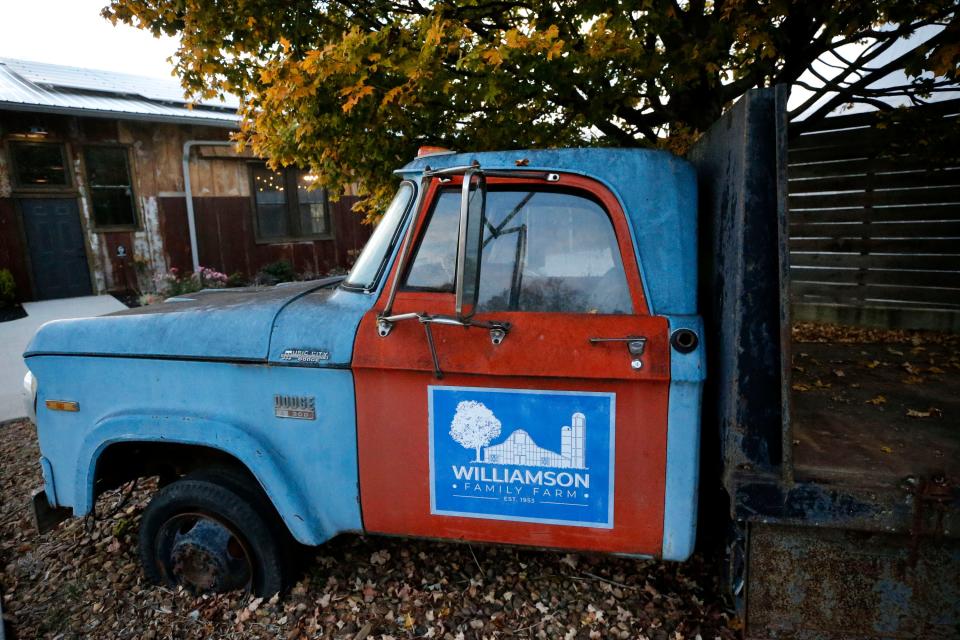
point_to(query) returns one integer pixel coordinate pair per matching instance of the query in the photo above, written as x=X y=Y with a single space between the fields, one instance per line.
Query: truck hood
x=215 y=324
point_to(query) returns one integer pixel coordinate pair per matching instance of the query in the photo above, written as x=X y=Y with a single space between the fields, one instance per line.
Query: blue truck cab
x=516 y=357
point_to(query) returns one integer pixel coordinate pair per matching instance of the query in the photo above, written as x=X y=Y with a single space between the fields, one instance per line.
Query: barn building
x=520 y=449
x=109 y=180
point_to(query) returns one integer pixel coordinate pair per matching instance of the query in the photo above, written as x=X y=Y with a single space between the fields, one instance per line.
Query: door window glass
x=542 y=251
x=434 y=266
x=550 y=251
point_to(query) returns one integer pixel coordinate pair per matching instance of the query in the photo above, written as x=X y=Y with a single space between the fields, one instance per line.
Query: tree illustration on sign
x=474 y=426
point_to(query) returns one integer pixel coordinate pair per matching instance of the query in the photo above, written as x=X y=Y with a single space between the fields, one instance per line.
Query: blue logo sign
x=522 y=455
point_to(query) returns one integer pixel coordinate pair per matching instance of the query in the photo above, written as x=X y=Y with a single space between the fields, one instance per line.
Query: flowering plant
x=172 y=283
x=211 y=278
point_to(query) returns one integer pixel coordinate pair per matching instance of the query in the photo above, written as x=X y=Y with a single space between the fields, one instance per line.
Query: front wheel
x=212 y=534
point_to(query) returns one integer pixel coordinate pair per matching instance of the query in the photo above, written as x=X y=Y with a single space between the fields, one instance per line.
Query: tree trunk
x=478 y=454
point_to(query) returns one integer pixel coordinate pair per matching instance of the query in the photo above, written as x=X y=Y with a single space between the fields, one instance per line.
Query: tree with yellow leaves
x=351 y=89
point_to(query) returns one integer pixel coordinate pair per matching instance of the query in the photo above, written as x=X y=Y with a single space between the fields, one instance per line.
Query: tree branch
x=851 y=92
x=861 y=61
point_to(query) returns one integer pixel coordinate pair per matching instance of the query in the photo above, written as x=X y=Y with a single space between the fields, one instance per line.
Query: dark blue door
x=57 y=253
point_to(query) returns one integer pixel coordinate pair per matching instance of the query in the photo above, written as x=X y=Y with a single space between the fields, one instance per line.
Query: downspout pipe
x=188 y=193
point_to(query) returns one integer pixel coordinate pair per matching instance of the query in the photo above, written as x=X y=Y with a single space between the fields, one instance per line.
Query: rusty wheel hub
x=205 y=555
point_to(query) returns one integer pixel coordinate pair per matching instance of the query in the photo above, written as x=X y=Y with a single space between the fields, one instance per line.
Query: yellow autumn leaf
x=356 y=95
x=932 y=411
x=492 y=56
x=877 y=400
x=284 y=43
x=555 y=50
x=312 y=60
x=945 y=59
x=391 y=96
x=434 y=33
x=886 y=449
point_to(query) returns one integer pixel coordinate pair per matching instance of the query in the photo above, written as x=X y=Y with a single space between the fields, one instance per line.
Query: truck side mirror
x=472 y=213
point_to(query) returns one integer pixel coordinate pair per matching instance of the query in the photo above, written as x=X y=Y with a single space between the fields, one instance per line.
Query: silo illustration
x=578 y=441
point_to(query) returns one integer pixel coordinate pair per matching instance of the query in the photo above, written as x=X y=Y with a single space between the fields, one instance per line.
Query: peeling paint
x=148 y=244
x=5 y=187
x=100 y=265
x=158 y=242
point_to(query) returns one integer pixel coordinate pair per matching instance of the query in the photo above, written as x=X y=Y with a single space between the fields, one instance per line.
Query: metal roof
x=52 y=88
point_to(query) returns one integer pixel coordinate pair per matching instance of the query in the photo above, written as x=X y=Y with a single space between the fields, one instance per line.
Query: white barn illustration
x=520 y=449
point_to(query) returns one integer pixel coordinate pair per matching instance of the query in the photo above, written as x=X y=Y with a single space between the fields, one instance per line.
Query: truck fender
x=257 y=456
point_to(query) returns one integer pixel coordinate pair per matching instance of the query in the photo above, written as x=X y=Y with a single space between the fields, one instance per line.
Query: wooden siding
x=221 y=187
x=874 y=226
x=12 y=250
x=226 y=241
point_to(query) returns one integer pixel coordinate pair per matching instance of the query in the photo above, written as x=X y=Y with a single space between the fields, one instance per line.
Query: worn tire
x=228 y=499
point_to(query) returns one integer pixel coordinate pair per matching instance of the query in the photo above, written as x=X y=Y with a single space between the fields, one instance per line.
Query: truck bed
x=870 y=408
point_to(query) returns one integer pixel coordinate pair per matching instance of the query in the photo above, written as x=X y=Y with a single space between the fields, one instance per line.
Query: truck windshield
x=369 y=265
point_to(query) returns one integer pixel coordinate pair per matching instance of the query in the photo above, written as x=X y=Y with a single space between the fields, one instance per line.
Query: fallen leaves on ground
x=83 y=580
x=846 y=334
x=931 y=412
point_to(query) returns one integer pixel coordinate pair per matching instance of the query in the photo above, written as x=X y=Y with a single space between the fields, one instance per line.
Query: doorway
x=58 y=258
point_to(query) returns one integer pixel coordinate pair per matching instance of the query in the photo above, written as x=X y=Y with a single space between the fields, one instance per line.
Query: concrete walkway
x=16 y=334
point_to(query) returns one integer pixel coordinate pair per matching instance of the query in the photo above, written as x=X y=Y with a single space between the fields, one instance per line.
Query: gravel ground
x=83 y=580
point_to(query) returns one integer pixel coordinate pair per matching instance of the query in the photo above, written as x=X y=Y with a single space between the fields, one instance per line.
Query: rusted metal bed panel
x=833 y=583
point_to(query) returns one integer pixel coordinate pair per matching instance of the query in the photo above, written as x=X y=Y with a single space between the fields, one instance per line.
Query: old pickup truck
x=516 y=357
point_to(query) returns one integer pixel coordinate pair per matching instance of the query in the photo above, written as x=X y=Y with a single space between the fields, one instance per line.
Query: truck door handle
x=635 y=344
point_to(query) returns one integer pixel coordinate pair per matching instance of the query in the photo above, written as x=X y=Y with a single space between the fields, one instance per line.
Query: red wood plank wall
x=13 y=252
x=227 y=241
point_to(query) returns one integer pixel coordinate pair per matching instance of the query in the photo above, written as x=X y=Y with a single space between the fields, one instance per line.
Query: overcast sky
x=71 y=32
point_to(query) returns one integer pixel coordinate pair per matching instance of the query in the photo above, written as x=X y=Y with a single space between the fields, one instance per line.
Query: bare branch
x=851 y=92
x=861 y=61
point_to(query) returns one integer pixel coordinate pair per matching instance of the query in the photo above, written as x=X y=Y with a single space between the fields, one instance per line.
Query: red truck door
x=556 y=436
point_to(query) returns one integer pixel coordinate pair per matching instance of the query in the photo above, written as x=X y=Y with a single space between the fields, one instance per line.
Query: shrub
x=8 y=288
x=237 y=279
x=275 y=272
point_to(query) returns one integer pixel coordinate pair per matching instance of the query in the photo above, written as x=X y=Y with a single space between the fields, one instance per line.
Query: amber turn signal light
x=427 y=150
x=63 y=405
